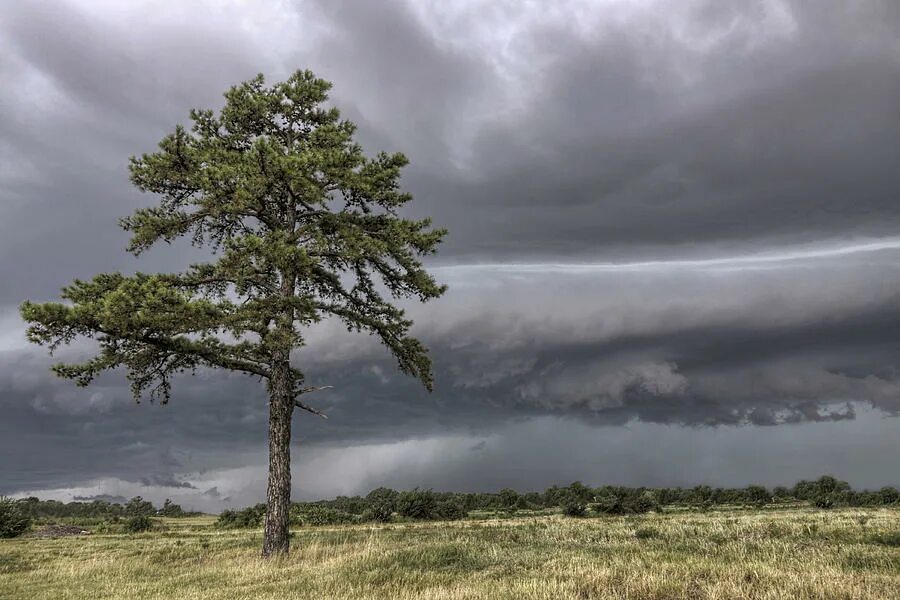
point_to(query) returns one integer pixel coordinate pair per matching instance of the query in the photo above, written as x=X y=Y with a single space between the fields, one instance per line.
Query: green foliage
x=249 y=517
x=644 y=503
x=316 y=514
x=450 y=510
x=14 y=521
x=509 y=499
x=825 y=500
x=138 y=524
x=757 y=494
x=581 y=491
x=626 y=502
x=822 y=487
x=572 y=504
x=382 y=502
x=781 y=493
x=137 y=506
x=170 y=509
x=889 y=495
x=95 y=511
x=417 y=504
x=301 y=225
x=608 y=504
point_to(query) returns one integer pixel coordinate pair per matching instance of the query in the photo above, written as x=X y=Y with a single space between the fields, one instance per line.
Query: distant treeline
x=576 y=499
x=38 y=509
x=384 y=504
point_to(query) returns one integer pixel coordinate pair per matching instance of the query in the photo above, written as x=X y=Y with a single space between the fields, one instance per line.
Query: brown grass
x=772 y=554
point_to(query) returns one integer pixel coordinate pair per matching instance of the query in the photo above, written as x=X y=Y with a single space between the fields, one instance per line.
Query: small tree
x=450 y=510
x=417 y=504
x=302 y=227
x=509 y=499
x=889 y=495
x=170 y=509
x=382 y=503
x=139 y=524
x=14 y=521
x=757 y=494
x=572 y=504
x=137 y=506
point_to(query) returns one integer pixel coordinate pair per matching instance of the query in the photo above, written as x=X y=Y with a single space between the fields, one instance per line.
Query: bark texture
x=276 y=538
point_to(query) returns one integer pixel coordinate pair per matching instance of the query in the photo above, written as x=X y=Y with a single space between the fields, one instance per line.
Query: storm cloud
x=664 y=217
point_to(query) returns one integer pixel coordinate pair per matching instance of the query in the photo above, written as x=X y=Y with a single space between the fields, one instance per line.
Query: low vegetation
x=575 y=500
x=139 y=524
x=720 y=553
x=566 y=542
x=13 y=520
x=384 y=505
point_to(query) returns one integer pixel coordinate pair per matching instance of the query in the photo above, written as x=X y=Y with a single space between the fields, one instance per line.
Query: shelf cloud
x=664 y=217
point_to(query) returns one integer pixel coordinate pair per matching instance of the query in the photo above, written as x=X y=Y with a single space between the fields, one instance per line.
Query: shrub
x=138 y=524
x=13 y=520
x=314 y=514
x=509 y=499
x=572 y=505
x=824 y=501
x=609 y=505
x=170 y=509
x=249 y=517
x=643 y=503
x=382 y=504
x=889 y=495
x=417 y=504
x=449 y=510
x=757 y=494
x=582 y=492
x=137 y=506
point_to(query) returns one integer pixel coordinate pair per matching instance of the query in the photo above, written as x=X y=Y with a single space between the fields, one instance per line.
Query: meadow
x=767 y=553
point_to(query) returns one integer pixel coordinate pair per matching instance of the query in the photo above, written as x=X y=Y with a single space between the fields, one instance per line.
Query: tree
x=170 y=509
x=509 y=498
x=137 y=506
x=301 y=226
x=417 y=504
x=382 y=502
x=572 y=504
x=14 y=521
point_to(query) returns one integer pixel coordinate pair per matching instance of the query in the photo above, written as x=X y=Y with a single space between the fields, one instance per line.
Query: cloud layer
x=674 y=215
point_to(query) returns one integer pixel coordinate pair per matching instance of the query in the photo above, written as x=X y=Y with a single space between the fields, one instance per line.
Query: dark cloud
x=167 y=481
x=101 y=498
x=680 y=214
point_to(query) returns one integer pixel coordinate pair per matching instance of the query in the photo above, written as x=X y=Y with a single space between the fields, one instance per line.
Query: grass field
x=797 y=553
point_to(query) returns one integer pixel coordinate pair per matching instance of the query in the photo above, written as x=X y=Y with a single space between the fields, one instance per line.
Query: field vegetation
x=620 y=543
x=796 y=553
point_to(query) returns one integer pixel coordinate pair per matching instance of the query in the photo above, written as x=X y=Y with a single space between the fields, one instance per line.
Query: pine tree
x=300 y=226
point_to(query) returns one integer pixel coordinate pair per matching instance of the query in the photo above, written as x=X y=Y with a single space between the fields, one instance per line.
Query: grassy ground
x=800 y=553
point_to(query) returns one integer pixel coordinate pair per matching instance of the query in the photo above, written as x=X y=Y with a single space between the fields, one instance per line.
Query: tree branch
x=308 y=408
x=315 y=388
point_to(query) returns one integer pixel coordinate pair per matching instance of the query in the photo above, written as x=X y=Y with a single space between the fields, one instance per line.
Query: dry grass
x=765 y=554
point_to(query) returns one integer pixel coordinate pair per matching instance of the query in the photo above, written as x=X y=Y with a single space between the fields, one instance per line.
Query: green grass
x=768 y=554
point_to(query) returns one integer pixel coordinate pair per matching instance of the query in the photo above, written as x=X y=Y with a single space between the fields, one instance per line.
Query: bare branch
x=314 y=388
x=308 y=408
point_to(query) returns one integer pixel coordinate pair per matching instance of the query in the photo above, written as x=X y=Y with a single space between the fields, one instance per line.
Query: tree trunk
x=278 y=495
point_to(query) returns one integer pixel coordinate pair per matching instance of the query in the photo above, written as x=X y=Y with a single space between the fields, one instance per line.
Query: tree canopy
x=302 y=225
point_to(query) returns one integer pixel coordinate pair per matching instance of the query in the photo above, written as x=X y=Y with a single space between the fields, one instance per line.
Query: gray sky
x=673 y=251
